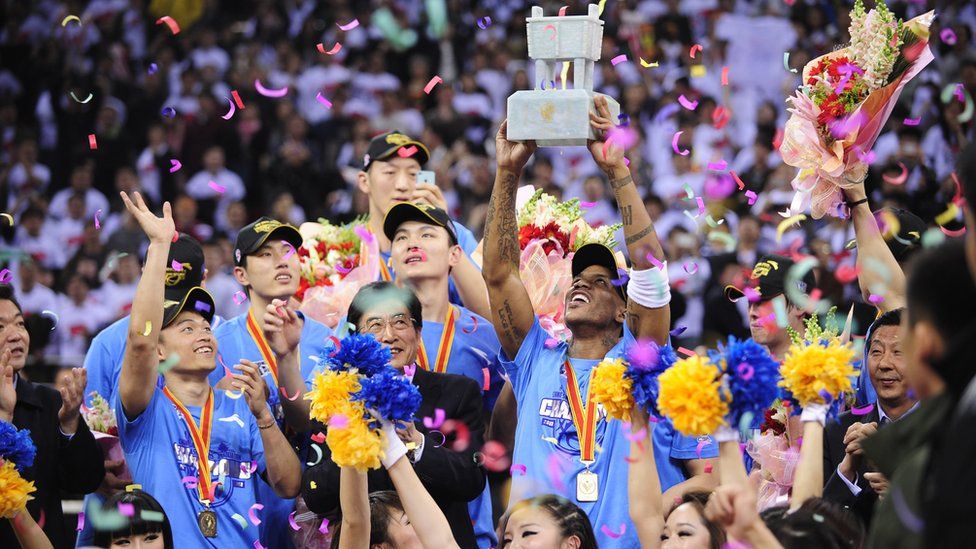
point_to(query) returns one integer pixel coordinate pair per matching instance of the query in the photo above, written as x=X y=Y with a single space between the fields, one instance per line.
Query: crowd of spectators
x=156 y=103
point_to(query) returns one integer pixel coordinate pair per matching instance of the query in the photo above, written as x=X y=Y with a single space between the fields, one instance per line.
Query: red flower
x=551 y=233
x=770 y=424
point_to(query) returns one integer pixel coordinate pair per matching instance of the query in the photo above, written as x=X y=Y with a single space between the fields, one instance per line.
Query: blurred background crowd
x=157 y=103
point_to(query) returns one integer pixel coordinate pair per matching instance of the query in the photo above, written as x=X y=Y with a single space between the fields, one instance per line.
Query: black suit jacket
x=835 y=489
x=452 y=478
x=61 y=466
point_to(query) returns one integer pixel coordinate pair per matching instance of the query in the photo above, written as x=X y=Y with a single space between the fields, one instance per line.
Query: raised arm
x=137 y=381
x=643 y=484
x=808 y=480
x=650 y=320
x=511 y=309
x=879 y=271
x=283 y=328
x=354 y=502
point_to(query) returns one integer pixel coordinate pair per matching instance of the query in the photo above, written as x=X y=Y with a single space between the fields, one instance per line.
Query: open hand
x=158 y=229
x=72 y=395
x=282 y=326
x=511 y=155
x=607 y=154
x=255 y=390
x=8 y=394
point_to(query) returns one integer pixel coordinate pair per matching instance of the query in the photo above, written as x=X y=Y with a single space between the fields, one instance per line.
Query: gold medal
x=585 y=420
x=587 y=486
x=207 y=521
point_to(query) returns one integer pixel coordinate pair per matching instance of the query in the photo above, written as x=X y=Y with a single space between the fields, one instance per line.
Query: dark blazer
x=452 y=478
x=61 y=466
x=835 y=489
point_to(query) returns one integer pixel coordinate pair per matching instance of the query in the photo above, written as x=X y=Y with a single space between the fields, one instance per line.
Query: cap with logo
x=909 y=237
x=184 y=265
x=387 y=144
x=425 y=213
x=253 y=236
x=176 y=300
x=769 y=278
x=595 y=253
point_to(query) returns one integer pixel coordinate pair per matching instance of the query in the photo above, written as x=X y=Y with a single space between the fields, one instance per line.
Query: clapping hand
x=72 y=395
x=8 y=394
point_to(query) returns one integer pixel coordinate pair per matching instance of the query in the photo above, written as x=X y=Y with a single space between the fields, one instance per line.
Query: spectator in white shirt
x=33 y=296
x=219 y=280
x=80 y=318
x=69 y=230
x=216 y=182
x=209 y=54
x=80 y=182
x=26 y=179
x=36 y=237
x=118 y=290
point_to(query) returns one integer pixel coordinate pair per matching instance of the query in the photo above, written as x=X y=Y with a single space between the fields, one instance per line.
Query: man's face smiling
x=13 y=334
x=593 y=298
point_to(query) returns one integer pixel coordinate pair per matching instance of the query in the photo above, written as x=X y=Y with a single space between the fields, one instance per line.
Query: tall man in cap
x=103 y=363
x=195 y=449
x=267 y=266
x=453 y=339
x=391 y=166
x=557 y=429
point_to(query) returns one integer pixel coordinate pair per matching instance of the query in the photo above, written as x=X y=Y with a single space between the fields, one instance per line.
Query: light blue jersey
x=546 y=441
x=161 y=455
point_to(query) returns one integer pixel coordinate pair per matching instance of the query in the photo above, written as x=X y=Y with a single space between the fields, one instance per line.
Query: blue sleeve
x=133 y=434
x=686 y=448
x=466 y=238
x=519 y=370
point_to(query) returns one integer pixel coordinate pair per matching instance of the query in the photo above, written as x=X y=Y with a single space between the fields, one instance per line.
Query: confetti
x=233 y=419
x=219 y=189
x=786 y=62
x=168 y=364
x=947 y=232
x=552 y=28
x=240 y=297
x=719 y=166
x=10 y=218
x=189 y=482
x=686 y=352
x=69 y=18
x=702 y=442
x=674 y=144
x=692 y=270
x=335 y=48
x=318 y=456
x=176 y=266
x=436 y=421
x=618 y=59
x=648 y=65
x=284 y=393
x=898 y=179
x=694 y=50
x=517 y=467
x=486 y=379
x=614 y=534
x=252 y=513
x=153 y=68
x=948 y=36
x=319 y=437
x=234 y=394
x=81 y=522
x=725 y=76
x=551 y=343
x=170 y=22
x=690 y=105
x=86 y=100
x=751 y=197
x=600 y=6
x=911 y=521
x=151 y=516
x=786 y=224
x=912 y=121
x=240 y=520
x=324 y=527
x=485 y=22
x=291 y=522
x=168 y=112
x=98 y=225
x=231 y=112
x=321 y=99
x=433 y=82
x=562 y=11
x=350 y=25
x=268 y=92
x=960 y=93
x=92 y=142
x=950 y=214
x=407 y=152
x=148 y=329
x=237 y=99
x=100 y=519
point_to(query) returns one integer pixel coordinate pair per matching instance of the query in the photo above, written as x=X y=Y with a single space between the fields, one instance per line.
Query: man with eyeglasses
x=442 y=454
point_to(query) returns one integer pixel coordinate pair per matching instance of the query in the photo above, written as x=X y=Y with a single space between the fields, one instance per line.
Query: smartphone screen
x=425 y=176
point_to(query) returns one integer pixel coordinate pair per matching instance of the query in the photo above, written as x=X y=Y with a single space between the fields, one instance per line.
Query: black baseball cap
x=387 y=144
x=425 y=213
x=768 y=279
x=595 y=253
x=253 y=236
x=909 y=237
x=176 y=300
x=187 y=256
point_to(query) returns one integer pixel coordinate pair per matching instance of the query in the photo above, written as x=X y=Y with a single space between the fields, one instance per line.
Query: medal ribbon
x=266 y=353
x=584 y=417
x=443 y=348
x=385 y=271
x=201 y=440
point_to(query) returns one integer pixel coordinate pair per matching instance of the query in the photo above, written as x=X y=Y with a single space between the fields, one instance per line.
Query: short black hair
x=7 y=294
x=137 y=524
x=381 y=290
x=817 y=524
x=966 y=170
x=887 y=318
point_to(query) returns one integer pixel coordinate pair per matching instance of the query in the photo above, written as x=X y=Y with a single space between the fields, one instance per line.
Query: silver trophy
x=559 y=117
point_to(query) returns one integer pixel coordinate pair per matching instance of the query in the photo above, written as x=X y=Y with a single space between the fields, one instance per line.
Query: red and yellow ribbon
x=266 y=353
x=584 y=416
x=200 y=435
x=444 y=348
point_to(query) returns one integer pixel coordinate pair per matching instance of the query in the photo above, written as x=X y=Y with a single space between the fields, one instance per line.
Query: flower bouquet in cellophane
x=100 y=419
x=549 y=233
x=846 y=98
x=336 y=261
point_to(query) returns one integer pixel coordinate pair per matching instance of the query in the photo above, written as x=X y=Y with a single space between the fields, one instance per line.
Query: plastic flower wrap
x=549 y=232
x=99 y=416
x=776 y=452
x=818 y=368
x=336 y=261
x=691 y=396
x=355 y=385
x=750 y=375
x=17 y=453
x=844 y=102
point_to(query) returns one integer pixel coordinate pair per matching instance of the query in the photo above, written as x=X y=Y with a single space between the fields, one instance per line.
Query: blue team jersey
x=468 y=243
x=234 y=343
x=546 y=441
x=160 y=454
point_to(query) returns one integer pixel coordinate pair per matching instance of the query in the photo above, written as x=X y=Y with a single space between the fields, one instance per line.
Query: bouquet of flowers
x=336 y=261
x=844 y=102
x=776 y=452
x=549 y=233
x=101 y=420
x=16 y=454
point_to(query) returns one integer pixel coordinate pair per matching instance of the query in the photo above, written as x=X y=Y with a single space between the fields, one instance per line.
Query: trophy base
x=554 y=118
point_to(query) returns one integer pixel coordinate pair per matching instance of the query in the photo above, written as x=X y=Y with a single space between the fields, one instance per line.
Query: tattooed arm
x=640 y=236
x=511 y=309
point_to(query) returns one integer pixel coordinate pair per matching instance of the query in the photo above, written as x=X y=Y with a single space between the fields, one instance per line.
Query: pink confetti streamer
x=350 y=25
x=240 y=297
x=686 y=352
x=618 y=59
x=474 y=325
x=674 y=144
x=960 y=93
x=738 y=181
x=335 y=49
x=269 y=92
x=875 y=298
x=409 y=370
x=562 y=11
x=433 y=82
x=486 y=379
x=751 y=197
x=6 y=276
x=550 y=343
x=126 y=509
x=97 y=224
x=321 y=99
x=436 y=421
x=725 y=76
x=745 y=371
x=291 y=522
x=230 y=112
x=324 y=527
x=257 y=544
x=719 y=166
x=912 y=121
x=692 y=270
x=92 y=142
x=701 y=205
x=189 y=482
x=320 y=437
x=284 y=393
x=947 y=232
x=948 y=36
x=237 y=99
x=863 y=410
x=81 y=522
x=552 y=28
x=175 y=165
x=690 y=105
x=407 y=152
x=174 y=27
x=217 y=188
x=694 y=50
x=251 y=513
x=614 y=534
x=898 y=179
x=517 y=467
x=702 y=442
x=176 y=265
x=654 y=261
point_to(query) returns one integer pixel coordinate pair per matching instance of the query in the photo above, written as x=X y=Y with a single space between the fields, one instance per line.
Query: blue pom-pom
x=647 y=362
x=752 y=375
x=16 y=446
x=357 y=351
x=390 y=394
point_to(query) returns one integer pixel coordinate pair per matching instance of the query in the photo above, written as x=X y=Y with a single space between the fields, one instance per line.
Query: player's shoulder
x=115 y=330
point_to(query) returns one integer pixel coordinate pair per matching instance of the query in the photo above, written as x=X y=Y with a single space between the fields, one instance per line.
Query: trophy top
x=568 y=37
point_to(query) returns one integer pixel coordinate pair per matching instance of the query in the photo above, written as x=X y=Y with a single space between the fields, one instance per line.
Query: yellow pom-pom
x=355 y=445
x=14 y=490
x=690 y=396
x=810 y=369
x=609 y=387
x=331 y=395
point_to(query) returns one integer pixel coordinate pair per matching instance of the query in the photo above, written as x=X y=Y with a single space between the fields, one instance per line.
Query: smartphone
x=425 y=176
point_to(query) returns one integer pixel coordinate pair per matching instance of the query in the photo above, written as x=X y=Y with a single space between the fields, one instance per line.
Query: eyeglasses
x=377 y=326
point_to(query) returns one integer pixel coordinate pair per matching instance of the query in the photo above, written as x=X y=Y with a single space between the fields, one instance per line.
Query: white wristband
x=650 y=288
x=814 y=412
x=725 y=434
x=395 y=448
